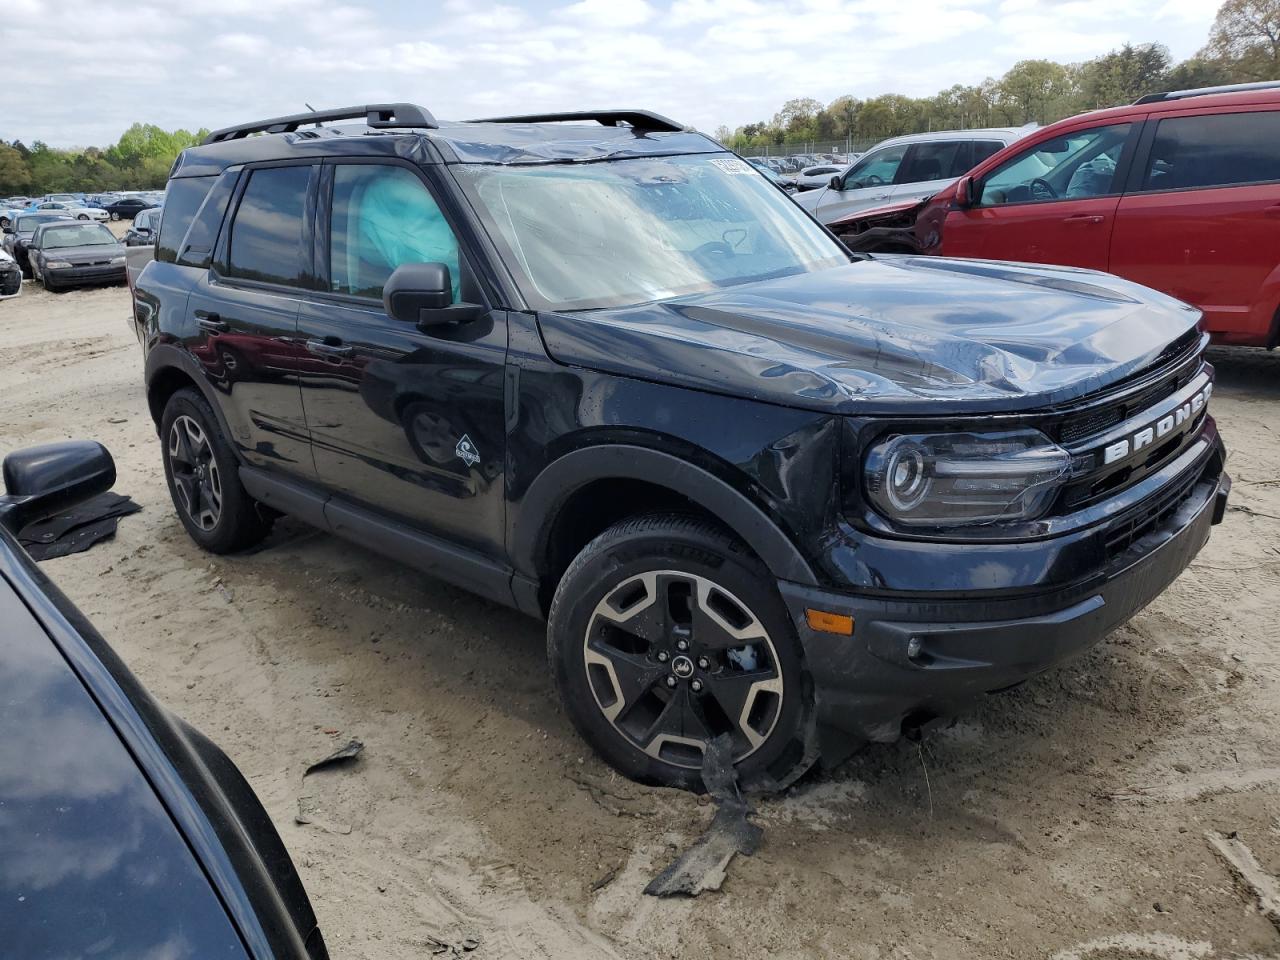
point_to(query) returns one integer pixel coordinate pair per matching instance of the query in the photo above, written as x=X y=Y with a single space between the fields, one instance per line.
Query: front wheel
x=666 y=633
x=115 y=216
x=203 y=477
x=83 y=216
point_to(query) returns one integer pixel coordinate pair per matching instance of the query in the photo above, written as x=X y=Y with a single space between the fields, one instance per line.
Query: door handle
x=211 y=322
x=329 y=348
x=1085 y=218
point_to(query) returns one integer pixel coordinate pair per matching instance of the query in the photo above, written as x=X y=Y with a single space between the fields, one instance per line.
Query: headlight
x=57 y=264
x=117 y=261
x=963 y=479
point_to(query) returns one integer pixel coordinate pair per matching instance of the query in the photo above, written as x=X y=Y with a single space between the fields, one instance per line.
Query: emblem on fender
x=1158 y=430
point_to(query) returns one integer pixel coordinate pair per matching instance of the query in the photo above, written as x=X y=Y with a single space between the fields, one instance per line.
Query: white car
x=72 y=209
x=815 y=178
x=906 y=168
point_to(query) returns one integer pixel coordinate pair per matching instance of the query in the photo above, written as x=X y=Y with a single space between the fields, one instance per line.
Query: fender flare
x=164 y=356
x=563 y=477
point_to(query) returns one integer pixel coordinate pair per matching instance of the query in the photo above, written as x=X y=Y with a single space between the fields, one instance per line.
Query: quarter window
x=382 y=217
x=266 y=235
x=1214 y=151
x=1071 y=167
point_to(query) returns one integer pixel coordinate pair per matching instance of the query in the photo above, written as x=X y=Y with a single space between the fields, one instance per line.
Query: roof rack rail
x=1208 y=91
x=640 y=119
x=379 y=115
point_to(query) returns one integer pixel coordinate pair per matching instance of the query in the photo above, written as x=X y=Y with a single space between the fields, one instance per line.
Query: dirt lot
x=1068 y=819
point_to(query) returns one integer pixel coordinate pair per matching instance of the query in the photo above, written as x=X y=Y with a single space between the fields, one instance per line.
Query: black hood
x=889 y=334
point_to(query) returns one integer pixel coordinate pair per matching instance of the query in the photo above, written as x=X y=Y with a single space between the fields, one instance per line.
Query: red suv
x=1180 y=191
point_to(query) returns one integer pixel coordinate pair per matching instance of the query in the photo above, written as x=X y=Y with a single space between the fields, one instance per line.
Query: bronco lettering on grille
x=1156 y=431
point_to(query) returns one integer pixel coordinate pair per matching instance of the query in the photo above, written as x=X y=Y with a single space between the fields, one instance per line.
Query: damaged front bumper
x=914 y=658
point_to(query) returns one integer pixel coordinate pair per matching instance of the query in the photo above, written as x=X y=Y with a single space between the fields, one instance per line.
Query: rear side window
x=934 y=161
x=182 y=198
x=266 y=234
x=982 y=149
x=197 y=249
x=1217 y=150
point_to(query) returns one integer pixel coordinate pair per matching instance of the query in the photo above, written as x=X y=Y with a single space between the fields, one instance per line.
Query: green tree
x=1037 y=90
x=1124 y=75
x=15 y=177
x=1246 y=37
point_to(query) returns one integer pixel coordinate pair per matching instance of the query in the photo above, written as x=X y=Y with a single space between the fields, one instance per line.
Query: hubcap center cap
x=682 y=667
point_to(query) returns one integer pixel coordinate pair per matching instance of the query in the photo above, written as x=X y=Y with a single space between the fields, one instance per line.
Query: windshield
x=76 y=235
x=616 y=233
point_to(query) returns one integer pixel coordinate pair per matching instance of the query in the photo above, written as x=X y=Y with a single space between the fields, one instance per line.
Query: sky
x=83 y=70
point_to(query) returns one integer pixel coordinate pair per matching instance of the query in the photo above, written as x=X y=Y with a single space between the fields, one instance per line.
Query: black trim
x=377 y=115
x=640 y=119
x=527 y=539
x=432 y=555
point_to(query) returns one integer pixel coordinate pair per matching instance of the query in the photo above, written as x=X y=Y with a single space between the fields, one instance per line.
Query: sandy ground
x=1068 y=819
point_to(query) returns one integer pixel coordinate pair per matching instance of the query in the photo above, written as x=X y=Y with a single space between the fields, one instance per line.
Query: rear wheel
x=83 y=216
x=665 y=634
x=203 y=477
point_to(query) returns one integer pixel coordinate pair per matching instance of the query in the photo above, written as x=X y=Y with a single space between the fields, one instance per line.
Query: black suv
x=603 y=372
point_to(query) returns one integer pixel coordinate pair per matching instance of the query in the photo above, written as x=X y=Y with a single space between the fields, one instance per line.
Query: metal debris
x=703 y=865
x=345 y=755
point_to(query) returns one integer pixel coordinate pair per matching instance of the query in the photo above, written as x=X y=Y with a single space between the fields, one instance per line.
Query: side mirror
x=834 y=182
x=42 y=481
x=422 y=294
x=964 y=192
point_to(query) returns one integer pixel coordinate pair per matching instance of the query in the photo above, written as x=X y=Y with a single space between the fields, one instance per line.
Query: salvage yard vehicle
x=905 y=168
x=71 y=208
x=18 y=236
x=75 y=254
x=10 y=277
x=761 y=489
x=1179 y=191
x=815 y=178
x=125 y=829
x=142 y=232
x=126 y=208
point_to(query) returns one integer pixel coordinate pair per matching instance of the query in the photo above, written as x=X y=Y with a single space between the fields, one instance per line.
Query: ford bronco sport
x=603 y=372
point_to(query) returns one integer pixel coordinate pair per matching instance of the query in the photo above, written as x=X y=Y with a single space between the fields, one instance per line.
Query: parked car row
x=80 y=206
x=1179 y=192
x=61 y=252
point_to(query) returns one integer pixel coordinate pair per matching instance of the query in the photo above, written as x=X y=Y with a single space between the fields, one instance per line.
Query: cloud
x=703 y=62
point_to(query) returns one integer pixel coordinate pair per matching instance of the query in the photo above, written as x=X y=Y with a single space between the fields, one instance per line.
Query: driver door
x=1052 y=202
x=868 y=184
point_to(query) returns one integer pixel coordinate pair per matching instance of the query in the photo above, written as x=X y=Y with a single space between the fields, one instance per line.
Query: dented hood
x=888 y=334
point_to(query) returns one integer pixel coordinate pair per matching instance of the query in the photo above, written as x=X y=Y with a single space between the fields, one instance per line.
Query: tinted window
x=383 y=217
x=982 y=149
x=1070 y=167
x=182 y=198
x=266 y=234
x=934 y=161
x=1215 y=150
x=197 y=248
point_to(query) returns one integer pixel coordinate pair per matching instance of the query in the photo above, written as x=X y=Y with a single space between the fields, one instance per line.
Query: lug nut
x=672 y=681
x=696 y=686
x=682 y=645
x=663 y=656
x=703 y=663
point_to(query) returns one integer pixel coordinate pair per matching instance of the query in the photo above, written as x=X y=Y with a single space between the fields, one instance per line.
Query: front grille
x=1152 y=515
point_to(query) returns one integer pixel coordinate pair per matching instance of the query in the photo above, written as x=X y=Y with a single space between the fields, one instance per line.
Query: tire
x=203 y=477
x=115 y=216
x=648 y=705
x=4 y=222
x=83 y=216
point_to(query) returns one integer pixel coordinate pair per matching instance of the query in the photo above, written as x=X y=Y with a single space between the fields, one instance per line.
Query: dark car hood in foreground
x=889 y=334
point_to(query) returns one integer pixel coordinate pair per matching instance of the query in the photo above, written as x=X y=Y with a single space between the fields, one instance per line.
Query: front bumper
x=914 y=659
x=71 y=276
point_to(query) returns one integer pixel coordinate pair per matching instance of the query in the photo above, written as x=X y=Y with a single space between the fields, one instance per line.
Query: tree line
x=139 y=160
x=1243 y=46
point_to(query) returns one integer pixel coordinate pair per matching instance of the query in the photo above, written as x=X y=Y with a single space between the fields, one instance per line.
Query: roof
x=1006 y=134
x=1244 y=95
x=545 y=138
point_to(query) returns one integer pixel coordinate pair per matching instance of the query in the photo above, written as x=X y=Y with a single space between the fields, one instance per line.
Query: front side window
x=621 y=232
x=1218 y=150
x=1071 y=167
x=76 y=235
x=382 y=217
x=876 y=168
x=266 y=234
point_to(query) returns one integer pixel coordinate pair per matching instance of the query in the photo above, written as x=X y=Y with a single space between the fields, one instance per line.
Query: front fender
x=564 y=476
